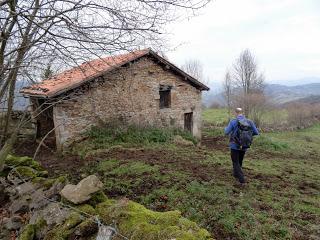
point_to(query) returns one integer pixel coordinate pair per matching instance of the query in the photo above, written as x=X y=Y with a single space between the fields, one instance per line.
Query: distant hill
x=300 y=81
x=282 y=94
x=278 y=94
x=313 y=99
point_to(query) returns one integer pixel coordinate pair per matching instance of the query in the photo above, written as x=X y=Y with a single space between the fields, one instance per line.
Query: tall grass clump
x=135 y=135
x=270 y=144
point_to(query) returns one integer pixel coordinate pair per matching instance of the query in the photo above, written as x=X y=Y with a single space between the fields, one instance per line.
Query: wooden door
x=188 y=121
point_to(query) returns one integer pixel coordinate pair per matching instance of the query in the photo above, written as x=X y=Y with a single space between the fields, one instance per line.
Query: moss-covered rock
x=66 y=229
x=49 y=182
x=18 y=161
x=26 y=172
x=15 y=161
x=137 y=222
x=86 y=208
x=27 y=233
x=40 y=228
x=45 y=182
x=43 y=174
x=85 y=229
x=97 y=198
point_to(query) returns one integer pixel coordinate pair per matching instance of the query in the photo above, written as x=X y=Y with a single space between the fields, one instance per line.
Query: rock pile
x=35 y=207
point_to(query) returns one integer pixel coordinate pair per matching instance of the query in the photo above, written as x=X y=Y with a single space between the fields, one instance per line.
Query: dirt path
x=215 y=143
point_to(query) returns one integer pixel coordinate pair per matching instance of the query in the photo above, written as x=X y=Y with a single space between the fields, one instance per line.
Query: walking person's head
x=238 y=111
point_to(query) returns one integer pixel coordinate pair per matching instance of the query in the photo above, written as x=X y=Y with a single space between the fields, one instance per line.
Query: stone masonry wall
x=129 y=95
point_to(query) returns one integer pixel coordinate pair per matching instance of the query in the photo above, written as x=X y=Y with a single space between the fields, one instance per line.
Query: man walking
x=241 y=131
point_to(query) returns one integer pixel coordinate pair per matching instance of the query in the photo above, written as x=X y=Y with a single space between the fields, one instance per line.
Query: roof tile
x=78 y=75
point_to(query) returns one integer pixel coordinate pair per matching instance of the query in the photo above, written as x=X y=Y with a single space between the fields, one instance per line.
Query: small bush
x=135 y=135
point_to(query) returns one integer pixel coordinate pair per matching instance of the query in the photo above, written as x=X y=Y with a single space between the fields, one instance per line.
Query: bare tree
x=247 y=79
x=227 y=91
x=258 y=106
x=194 y=68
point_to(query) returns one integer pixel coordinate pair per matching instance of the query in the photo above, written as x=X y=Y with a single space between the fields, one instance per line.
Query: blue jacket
x=232 y=129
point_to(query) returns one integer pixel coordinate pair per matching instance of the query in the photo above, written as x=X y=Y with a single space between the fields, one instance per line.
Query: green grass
x=270 y=143
x=135 y=135
x=220 y=117
x=215 y=116
x=280 y=201
x=132 y=136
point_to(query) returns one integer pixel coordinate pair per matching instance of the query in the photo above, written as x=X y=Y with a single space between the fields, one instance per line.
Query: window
x=165 y=96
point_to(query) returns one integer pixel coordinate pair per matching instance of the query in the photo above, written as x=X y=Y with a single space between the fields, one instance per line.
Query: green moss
x=23 y=161
x=18 y=161
x=49 y=182
x=63 y=231
x=43 y=174
x=26 y=172
x=97 y=198
x=27 y=233
x=137 y=222
x=87 y=209
x=62 y=179
x=40 y=225
x=86 y=228
x=73 y=220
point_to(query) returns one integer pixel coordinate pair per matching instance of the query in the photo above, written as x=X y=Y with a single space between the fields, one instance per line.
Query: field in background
x=219 y=116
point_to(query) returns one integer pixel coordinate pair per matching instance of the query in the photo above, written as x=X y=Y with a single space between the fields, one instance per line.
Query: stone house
x=139 y=88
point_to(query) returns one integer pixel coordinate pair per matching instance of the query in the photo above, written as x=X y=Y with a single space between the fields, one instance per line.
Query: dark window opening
x=188 y=121
x=165 y=96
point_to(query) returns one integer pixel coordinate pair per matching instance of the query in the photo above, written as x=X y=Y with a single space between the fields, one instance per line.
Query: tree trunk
x=10 y=109
x=7 y=148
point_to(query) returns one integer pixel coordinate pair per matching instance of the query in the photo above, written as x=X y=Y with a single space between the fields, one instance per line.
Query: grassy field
x=217 y=116
x=280 y=201
x=220 y=116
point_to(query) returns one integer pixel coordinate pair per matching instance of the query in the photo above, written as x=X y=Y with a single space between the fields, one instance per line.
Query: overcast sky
x=284 y=35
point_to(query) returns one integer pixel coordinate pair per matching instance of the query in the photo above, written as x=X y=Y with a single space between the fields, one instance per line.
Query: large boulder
x=83 y=191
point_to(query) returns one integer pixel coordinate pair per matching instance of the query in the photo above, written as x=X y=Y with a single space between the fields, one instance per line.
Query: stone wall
x=129 y=95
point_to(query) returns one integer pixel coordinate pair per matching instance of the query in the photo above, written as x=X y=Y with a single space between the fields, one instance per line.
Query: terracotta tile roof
x=87 y=71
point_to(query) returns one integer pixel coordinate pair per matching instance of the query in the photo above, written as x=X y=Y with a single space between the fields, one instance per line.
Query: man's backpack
x=244 y=135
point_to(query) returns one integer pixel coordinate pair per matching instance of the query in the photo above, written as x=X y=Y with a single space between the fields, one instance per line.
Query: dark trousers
x=237 y=160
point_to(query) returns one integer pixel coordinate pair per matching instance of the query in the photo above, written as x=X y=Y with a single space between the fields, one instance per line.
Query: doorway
x=188 y=122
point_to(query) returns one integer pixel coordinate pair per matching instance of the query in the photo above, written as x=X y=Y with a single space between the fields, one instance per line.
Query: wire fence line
x=105 y=232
